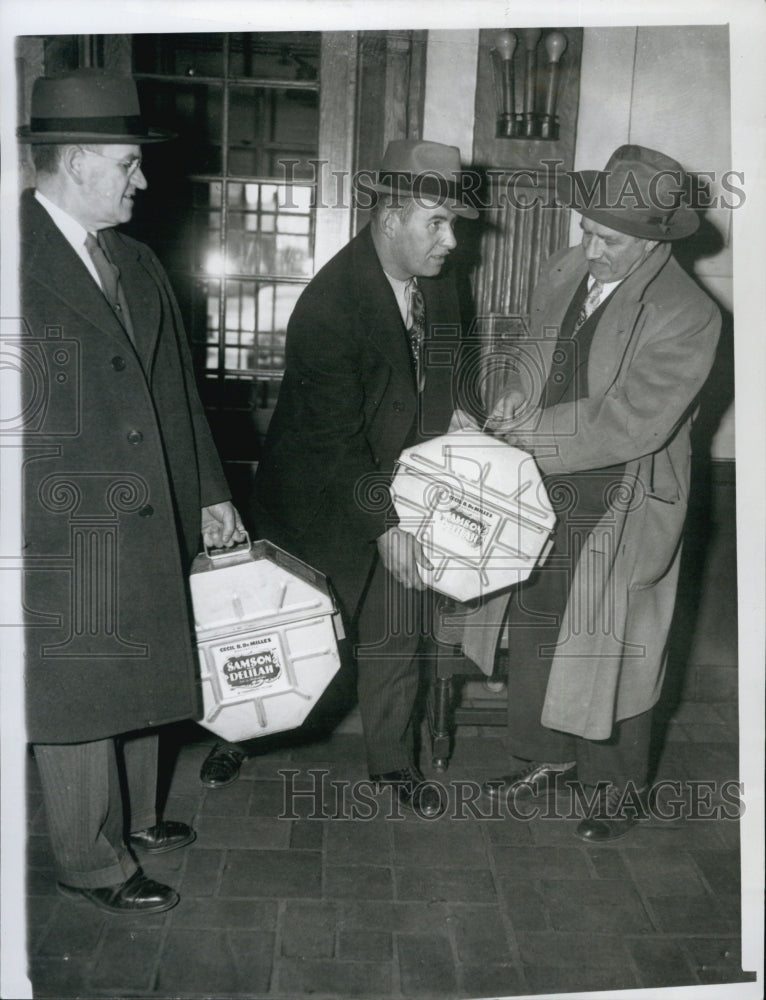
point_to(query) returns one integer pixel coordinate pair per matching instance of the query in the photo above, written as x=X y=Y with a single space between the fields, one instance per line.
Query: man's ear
x=388 y=219
x=72 y=158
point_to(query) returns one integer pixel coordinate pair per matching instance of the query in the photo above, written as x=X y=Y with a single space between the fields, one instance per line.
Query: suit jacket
x=118 y=460
x=651 y=352
x=347 y=407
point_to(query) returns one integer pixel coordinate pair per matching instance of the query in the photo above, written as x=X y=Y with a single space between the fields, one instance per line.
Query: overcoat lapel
x=142 y=294
x=380 y=311
x=53 y=262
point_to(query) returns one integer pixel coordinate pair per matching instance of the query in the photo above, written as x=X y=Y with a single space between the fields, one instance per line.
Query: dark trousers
x=83 y=795
x=390 y=625
x=534 y=619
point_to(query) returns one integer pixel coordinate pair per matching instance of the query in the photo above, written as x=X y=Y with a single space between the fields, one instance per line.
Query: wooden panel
x=490 y=151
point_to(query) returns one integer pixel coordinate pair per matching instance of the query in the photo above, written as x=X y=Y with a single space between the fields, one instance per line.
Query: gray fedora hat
x=431 y=171
x=640 y=192
x=88 y=105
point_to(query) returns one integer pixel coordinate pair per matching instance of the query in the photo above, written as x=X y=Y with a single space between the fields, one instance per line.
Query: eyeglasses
x=130 y=166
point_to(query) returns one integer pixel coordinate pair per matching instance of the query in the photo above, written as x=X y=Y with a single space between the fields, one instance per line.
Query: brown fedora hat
x=640 y=192
x=88 y=105
x=416 y=168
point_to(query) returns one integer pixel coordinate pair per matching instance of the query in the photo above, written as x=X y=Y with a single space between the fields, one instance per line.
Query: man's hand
x=507 y=411
x=401 y=552
x=221 y=525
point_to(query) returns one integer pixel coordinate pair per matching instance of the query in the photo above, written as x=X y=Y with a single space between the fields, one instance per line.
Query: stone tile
x=40 y=910
x=364 y=946
x=267 y=798
x=358 y=882
x=716 y=959
x=308 y=930
x=490 y=980
x=426 y=965
x=599 y=906
x=58 y=977
x=408 y=918
x=307 y=834
x=690 y=915
x=582 y=977
x=682 y=835
x=567 y=951
x=242 y=831
x=660 y=962
x=197 y=963
x=234 y=800
x=310 y=794
x=127 y=960
x=344 y=747
x=466 y=885
x=205 y=912
x=507 y=831
x=720 y=869
x=479 y=933
x=253 y=956
x=75 y=932
x=554 y=833
x=41 y=882
x=455 y=845
x=357 y=843
x=281 y=874
x=201 y=873
x=541 y=862
x=607 y=864
x=524 y=903
x=336 y=979
x=698 y=712
x=664 y=872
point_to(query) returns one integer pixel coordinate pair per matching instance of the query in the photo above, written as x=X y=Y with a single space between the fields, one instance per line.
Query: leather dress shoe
x=412 y=791
x=221 y=766
x=138 y=895
x=165 y=836
x=617 y=813
x=533 y=780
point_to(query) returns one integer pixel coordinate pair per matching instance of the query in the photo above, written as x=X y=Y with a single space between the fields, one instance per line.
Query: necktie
x=417 y=327
x=591 y=302
x=107 y=272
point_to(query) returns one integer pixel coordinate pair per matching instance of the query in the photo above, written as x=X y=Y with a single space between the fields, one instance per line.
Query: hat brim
x=458 y=207
x=25 y=134
x=683 y=222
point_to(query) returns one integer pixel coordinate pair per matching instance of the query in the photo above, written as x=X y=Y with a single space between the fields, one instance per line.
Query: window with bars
x=236 y=195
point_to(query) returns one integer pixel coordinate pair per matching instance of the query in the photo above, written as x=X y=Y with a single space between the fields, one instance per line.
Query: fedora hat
x=416 y=168
x=640 y=192
x=88 y=105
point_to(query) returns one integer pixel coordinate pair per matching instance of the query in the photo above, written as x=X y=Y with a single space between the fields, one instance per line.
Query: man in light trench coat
x=121 y=478
x=603 y=395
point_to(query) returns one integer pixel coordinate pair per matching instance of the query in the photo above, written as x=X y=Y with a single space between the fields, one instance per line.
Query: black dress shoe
x=138 y=895
x=165 y=836
x=413 y=791
x=221 y=766
x=617 y=812
x=533 y=780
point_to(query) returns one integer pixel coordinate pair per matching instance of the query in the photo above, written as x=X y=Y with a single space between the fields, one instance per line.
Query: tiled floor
x=285 y=896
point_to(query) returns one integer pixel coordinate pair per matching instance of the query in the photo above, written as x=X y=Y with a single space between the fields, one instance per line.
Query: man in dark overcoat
x=121 y=478
x=370 y=357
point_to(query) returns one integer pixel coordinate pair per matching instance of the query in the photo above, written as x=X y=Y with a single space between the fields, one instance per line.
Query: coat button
x=135 y=437
x=398 y=405
x=118 y=363
x=146 y=511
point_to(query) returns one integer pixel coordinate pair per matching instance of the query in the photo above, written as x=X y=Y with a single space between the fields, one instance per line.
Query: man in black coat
x=370 y=359
x=121 y=477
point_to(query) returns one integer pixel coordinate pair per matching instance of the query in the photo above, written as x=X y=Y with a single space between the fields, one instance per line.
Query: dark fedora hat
x=416 y=168
x=88 y=105
x=640 y=192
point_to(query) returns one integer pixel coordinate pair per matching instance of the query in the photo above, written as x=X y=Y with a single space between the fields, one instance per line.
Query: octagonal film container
x=479 y=508
x=267 y=636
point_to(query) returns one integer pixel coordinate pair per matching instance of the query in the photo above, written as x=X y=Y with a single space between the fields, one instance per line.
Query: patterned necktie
x=591 y=302
x=417 y=327
x=107 y=272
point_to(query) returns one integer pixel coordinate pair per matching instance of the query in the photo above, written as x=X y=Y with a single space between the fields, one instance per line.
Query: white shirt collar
x=70 y=227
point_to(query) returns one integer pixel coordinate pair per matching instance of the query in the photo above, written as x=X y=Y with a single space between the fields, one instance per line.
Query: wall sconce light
x=533 y=121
